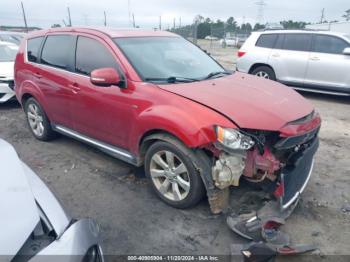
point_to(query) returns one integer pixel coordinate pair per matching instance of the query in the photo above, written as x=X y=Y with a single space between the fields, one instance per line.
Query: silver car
x=8 y=52
x=33 y=222
x=316 y=61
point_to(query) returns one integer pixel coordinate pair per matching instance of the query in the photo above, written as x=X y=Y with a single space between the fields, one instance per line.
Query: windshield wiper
x=212 y=74
x=172 y=79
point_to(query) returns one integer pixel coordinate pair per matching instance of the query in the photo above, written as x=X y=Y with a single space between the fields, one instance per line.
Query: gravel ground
x=134 y=221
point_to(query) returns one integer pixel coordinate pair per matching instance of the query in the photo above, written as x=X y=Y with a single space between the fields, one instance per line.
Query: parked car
x=316 y=61
x=210 y=37
x=228 y=41
x=8 y=53
x=152 y=98
x=34 y=223
x=12 y=37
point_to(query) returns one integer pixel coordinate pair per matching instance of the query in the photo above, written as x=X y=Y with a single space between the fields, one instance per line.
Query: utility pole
x=133 y=20
x=180 y=22
x=105 y=22
x=24 y=17
x=322 y=16
x=64 y=22
x=129 y=12
x=174 y=23
x=69 y=18
x=260 y=16
x=160 y=22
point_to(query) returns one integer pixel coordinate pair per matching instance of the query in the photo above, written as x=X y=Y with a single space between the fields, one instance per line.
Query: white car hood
x=6 y=70
x=19 y=213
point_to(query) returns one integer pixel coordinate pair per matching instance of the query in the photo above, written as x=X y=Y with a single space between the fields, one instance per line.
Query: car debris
x=262 y=228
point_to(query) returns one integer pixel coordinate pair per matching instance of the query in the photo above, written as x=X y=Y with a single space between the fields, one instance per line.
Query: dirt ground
x=134 y=221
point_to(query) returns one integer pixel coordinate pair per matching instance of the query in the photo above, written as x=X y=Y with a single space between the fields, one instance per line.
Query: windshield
x=166 y=57
x=8 y=53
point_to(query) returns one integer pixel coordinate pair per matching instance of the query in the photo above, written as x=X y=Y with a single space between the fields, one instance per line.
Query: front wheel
x=264 y=72
x=173 y=175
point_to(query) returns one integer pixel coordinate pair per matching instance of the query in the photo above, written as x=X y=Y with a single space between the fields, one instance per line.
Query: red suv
x=152 y=98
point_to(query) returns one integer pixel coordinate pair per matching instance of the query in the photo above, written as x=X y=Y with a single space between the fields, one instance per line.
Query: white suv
x=316 y=61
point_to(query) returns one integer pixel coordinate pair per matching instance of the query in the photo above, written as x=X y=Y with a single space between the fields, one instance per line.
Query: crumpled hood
x=6 y=70
x=19 y=213
x=249 y=101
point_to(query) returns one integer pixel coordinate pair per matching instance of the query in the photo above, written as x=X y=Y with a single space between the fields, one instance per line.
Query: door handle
x=276 y=55
x=314 y=58
x=38 y=75
x=75 y=88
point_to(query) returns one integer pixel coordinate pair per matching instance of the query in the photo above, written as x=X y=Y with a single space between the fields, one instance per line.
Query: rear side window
x=329 y=44
x=33 y=46
x=58 y=51
x=91 y=55
x=297 y=42
x=267 y=40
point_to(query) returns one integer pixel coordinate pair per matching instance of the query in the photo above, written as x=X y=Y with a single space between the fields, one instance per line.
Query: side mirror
x=105 y=77
x=346 y=51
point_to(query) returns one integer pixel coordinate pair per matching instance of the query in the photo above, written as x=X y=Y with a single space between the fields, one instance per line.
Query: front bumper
x=6 y=92
x=296 y=179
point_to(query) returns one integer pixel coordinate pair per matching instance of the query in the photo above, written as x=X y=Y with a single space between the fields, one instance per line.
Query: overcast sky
x=45 y=13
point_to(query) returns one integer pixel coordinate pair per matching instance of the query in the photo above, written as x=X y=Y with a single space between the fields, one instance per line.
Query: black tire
x=196 y=189
x=265 y=70
x=47 y=133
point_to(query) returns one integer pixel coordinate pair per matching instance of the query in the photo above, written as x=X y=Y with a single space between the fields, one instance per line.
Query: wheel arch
x=154 y=135
x=256 y=65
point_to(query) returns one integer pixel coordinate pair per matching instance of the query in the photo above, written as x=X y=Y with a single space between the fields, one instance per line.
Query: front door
x=102 y=113
x=328 y=67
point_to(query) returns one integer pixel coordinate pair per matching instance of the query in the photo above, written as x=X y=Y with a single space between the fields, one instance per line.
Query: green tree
x=231 y=24
x=347 y=15
x=290 y=24
x=258 y=26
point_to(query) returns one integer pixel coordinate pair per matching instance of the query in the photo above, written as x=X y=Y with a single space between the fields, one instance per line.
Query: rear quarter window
x=33 y=47
x=266 y=40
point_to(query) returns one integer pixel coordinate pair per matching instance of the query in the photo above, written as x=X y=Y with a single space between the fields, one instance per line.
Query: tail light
x=241 y=53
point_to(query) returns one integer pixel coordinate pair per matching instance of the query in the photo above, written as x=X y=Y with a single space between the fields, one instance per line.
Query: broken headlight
x=233 y=139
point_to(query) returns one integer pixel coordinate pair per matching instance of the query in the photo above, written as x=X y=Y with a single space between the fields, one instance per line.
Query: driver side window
x=91 y=55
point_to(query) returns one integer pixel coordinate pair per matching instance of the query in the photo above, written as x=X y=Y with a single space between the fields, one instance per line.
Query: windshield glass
x=164 y=57
x=8 y=53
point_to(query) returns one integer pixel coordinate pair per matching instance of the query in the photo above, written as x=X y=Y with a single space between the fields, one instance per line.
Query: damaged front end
x=280 y=163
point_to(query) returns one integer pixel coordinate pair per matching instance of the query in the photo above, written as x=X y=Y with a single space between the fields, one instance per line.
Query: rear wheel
x=173 y=175
x=37 y=120
x=264 y=72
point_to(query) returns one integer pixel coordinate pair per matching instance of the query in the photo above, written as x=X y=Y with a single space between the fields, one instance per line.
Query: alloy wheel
x=263 y=74
x=170 y=175
x=35 y=119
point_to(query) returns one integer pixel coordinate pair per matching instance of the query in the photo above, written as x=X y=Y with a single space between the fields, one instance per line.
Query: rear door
x=290 y=57
x=53 y=76
x=328 y=67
